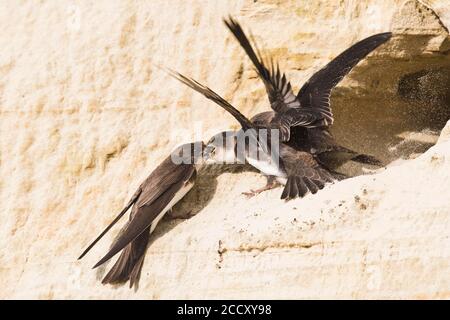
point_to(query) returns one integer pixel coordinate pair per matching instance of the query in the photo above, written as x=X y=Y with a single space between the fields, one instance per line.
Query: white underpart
x=227 y=155
x=268 y=168
x=178 y=196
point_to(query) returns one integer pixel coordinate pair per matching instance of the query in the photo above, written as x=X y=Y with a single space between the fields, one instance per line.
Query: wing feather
x=316 y=92
x=149 y=207
x=278 y=88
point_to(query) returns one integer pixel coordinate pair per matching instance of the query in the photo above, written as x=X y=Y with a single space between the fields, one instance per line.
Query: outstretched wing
x=315 y=93
x=277 y=86
x=246 y=124
x=298 y=117
x=211 y=95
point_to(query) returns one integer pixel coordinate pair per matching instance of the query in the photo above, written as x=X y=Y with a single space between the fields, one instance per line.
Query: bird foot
x=268 y=186
x=249 y=194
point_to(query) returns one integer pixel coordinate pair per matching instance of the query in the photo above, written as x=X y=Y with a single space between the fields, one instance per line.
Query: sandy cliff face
x=85 y=116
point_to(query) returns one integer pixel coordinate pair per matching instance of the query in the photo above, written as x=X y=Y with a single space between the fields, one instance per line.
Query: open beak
x=207 y=155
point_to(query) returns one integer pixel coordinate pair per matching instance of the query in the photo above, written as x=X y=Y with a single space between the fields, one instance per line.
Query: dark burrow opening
x=398 y=107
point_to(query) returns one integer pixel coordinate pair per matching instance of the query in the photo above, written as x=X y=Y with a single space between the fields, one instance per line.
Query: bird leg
x=272 y=183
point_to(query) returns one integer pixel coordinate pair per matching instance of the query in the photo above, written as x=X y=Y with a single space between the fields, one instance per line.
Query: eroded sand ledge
x=84 y=118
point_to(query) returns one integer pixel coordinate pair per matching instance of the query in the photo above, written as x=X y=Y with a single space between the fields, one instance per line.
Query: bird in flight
x=304 y=119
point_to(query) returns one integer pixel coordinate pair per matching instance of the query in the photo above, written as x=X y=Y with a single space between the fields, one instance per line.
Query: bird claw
x=271 y=184
x=250 y=194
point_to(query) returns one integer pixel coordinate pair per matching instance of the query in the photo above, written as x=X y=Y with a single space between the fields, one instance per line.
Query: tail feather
x=286 y=194
x=130 y=262
x=319 y=183
x=121 y=269
x=311 y=185
x=302 y=188
x=325 y=175
x=294 y=187
x=136 y=272
x=297 y=186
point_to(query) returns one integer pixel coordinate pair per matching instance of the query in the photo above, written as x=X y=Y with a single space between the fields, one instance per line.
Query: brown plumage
x=304 y=119
x=166 y=185
x=129 y=264
x=297 y=169
x=309 y=176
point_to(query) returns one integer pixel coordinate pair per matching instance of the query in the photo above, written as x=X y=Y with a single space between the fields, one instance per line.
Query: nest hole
x=397 y=109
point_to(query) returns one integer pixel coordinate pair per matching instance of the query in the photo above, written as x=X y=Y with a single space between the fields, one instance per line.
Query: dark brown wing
x=128 y=266
x=315 y=93
x=155 y=196
x=277 y=86
x=298 y=117
x=124 y=210
x=249 y=128
x=162 y=178
x=211 y=95
x=263 y=119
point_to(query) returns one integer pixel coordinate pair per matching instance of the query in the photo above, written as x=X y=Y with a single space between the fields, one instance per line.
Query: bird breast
x=178 y=196
x=267 y=167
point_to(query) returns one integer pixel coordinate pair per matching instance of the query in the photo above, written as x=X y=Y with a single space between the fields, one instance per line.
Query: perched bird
x=304 y=119
x=297 y=170
x=162 y=189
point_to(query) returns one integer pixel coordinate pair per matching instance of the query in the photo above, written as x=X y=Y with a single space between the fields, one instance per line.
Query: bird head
x=220 y=149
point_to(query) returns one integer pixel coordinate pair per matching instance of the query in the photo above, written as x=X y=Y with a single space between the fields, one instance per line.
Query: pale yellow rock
x=85 y=115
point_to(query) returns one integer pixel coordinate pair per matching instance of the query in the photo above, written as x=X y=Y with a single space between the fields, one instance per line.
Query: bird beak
x=207 y=155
